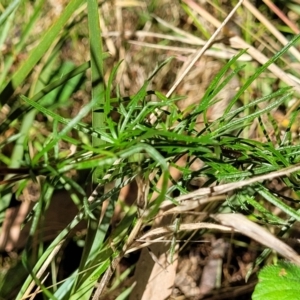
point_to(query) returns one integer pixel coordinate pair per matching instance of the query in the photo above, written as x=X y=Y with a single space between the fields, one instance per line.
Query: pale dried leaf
x=257 y=233
x=155 y=280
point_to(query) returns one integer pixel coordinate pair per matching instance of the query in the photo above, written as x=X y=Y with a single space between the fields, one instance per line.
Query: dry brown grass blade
x=193 y=39
x=224 y=54
x=201 y=51
x=278 y=35
x=192 y=204
x=282 y=16
x=108 y=40
x=44 y=267
x=239 y=43
x=130 y=3
x=197 y=56
x=224 y=188
x=38 y=290
x=245 y=226
x=145 y=243
x=144 y=34
x=170 y=229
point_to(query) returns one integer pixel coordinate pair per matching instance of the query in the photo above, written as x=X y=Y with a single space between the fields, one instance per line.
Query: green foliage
x=119 y=151
x=280 y=281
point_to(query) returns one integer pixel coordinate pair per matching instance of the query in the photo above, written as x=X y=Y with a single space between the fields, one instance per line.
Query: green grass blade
x=9 y=10
x=260 y=70
x=97 y=79
x=98 y=122
x=36 y=54
x=20 y=46
x=241 y=122
x=71 y=124
x=264 y=192
x=56 y=243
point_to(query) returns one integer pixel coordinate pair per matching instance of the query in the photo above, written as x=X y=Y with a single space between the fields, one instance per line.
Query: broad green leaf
x=279 y=281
